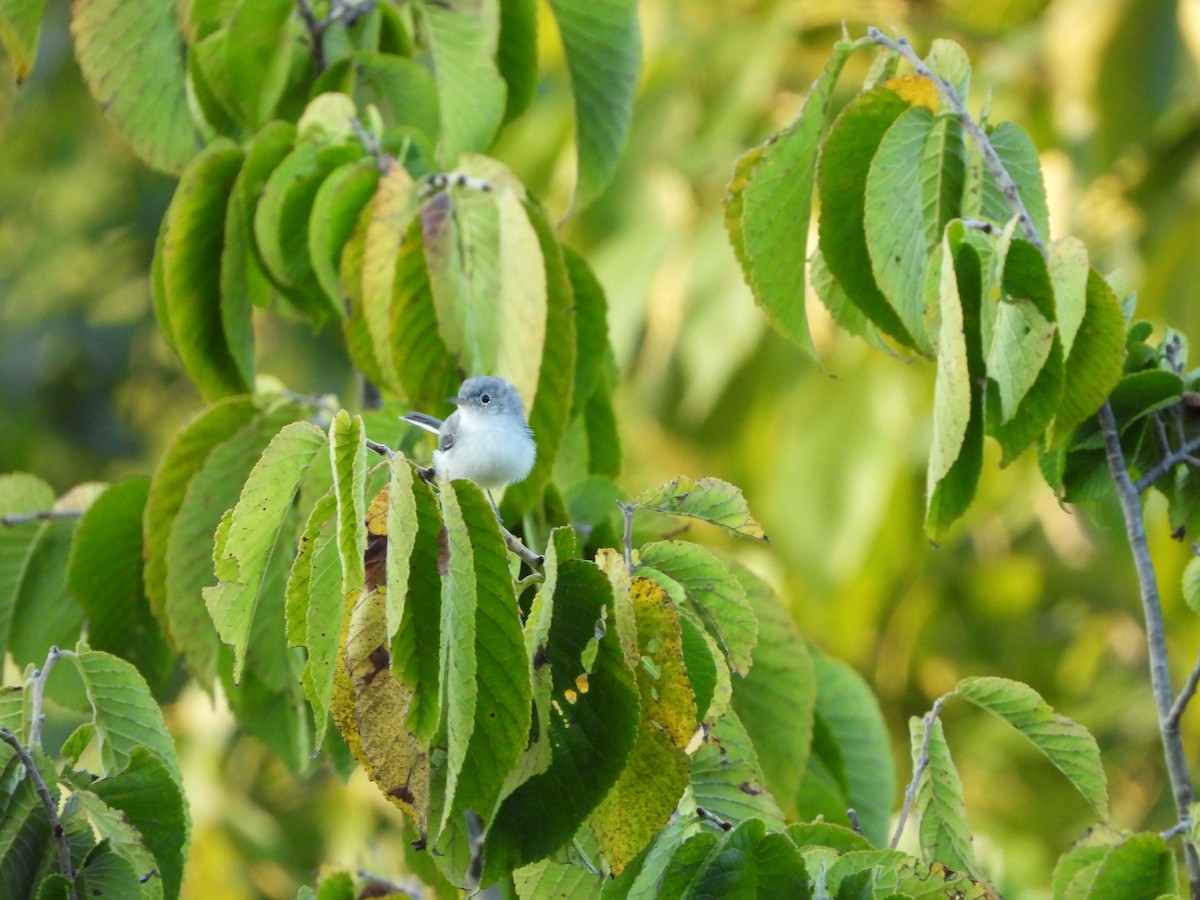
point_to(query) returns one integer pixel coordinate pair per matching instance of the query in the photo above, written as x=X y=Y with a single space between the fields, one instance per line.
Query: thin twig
x=42 y=515
x=991 y=160
x=1165 y=465
x=37 y=690
x=1160 y=675
x=910 y=792
x=1175 y=830
x=1185 y=696
x=713 y=818
x=1160 y=434
x=381 y=449
x=65 y=866
x=370 y=143
x=514 y=544
x=852 y=818
x=627 y=540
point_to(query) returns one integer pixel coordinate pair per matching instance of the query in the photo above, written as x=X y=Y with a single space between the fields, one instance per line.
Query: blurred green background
x=832 y=458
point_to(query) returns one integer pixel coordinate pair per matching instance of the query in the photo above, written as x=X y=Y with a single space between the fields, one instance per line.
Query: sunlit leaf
x=727 y=780
x=707 y=499
x=1066 y=743
x=462 y=40
x=1020 y=159
x=768 y=204
x=603 y=50
x=130 y=54
x=257 y=56
x=253 y=530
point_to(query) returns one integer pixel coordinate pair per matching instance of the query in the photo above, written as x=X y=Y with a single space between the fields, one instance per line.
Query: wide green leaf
x=1141 y=867
x=338 y=203
x=591 y=733
x=776 y=700
x=105 y=575
x=1067 y=744
x=20 y=24
x=125 y=843
x=952 y=388
x=707 y=499
x=714 y=594
x=125 y=715
x=603 y=49
x=841 y=183
x=348 y=458
x=1097 y=358
x=894 y=206
x=768 y=205
x=750 y=862
x=130 y=54
x=462 y=41
x=1020 y=158
x=254 y=527
x=384 y=237
x=516 y=54
x=403 y=91
x=727 y=780
x=45 y=613
x=258 y=55
x=193 y=242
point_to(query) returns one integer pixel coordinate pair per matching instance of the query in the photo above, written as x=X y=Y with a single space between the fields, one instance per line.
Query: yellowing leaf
x=916 y=89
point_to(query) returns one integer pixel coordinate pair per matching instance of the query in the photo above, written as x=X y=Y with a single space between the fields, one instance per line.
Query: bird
x=486 y=439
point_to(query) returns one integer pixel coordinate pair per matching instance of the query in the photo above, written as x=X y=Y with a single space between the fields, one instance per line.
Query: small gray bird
x=486 y=440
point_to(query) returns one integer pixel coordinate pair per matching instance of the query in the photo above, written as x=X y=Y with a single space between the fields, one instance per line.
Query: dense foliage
x=618 y=712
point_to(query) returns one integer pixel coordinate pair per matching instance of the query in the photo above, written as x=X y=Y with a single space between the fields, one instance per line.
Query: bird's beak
x=455 y=400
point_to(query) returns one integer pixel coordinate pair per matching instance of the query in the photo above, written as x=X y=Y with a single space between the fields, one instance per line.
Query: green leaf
x=1066 y=743
x=457 y=659
x=124 y=841
x=193 y=242
x=727 y=780
x=384 y=237
x=708 y=499
x=826 y=834
x=602 y=44
x=949 y=62
x=179 y=464
x=258 y=56
x=281 y=223
x=189 y=543
x=105 y=575
x=893 y=205
x=20 y=23
x=315 y=608
x=1096 y=361
x=498 y=662
x=348 y=457
x=591 y=734
x=124 y=713
x=19 y=493
x=550 y=411
x=1019 y=156
x=939 y=808
x=851 y=711
x=462 y=40
x=952 y=388
x=1022 y=339
x=401 y=89
x=842 y=176
x=714 y=594
x=776 y=700
x=591 y=320
x=1140 y=868
x=335 y=211
x=749 y=862
x=516 y=54
x=642 y=800
x=26 y=845
x=911 y=878
x=554 y=879
x=243 y=285
x=768 y=204
x=264 y=152
x=1191 y=584
x=1068 y=268
x=45 y=613
x=129 y=53
x=254 y=528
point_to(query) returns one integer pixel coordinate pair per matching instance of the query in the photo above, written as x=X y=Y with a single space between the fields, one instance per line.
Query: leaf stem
x=1160 y=675
x=37 y=691
x=627 y=539
x=910 y=792
x=382 y=449
x=62 y=845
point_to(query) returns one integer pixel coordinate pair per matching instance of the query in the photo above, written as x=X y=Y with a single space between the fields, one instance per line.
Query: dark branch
x=1166 y=464
x=41 y=515
x=62 y=845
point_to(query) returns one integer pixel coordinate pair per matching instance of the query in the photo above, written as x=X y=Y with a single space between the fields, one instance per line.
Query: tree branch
x=991 y=159
x=63 y=846
x=1166 y=464
x=1185 y=696
x=627 y=540
x=37 y=691
x=1160 y=676
x=514 y=544
x=42 y=515
x=910 y=792
x=382 y=449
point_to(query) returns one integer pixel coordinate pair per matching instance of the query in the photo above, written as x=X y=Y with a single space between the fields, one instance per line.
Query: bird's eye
x=485 y=398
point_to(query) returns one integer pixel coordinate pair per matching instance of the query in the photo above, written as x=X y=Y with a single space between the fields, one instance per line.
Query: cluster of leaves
x=919 y=247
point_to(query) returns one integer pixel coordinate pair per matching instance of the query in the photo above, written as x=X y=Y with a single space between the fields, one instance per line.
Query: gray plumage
x=486 y=440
